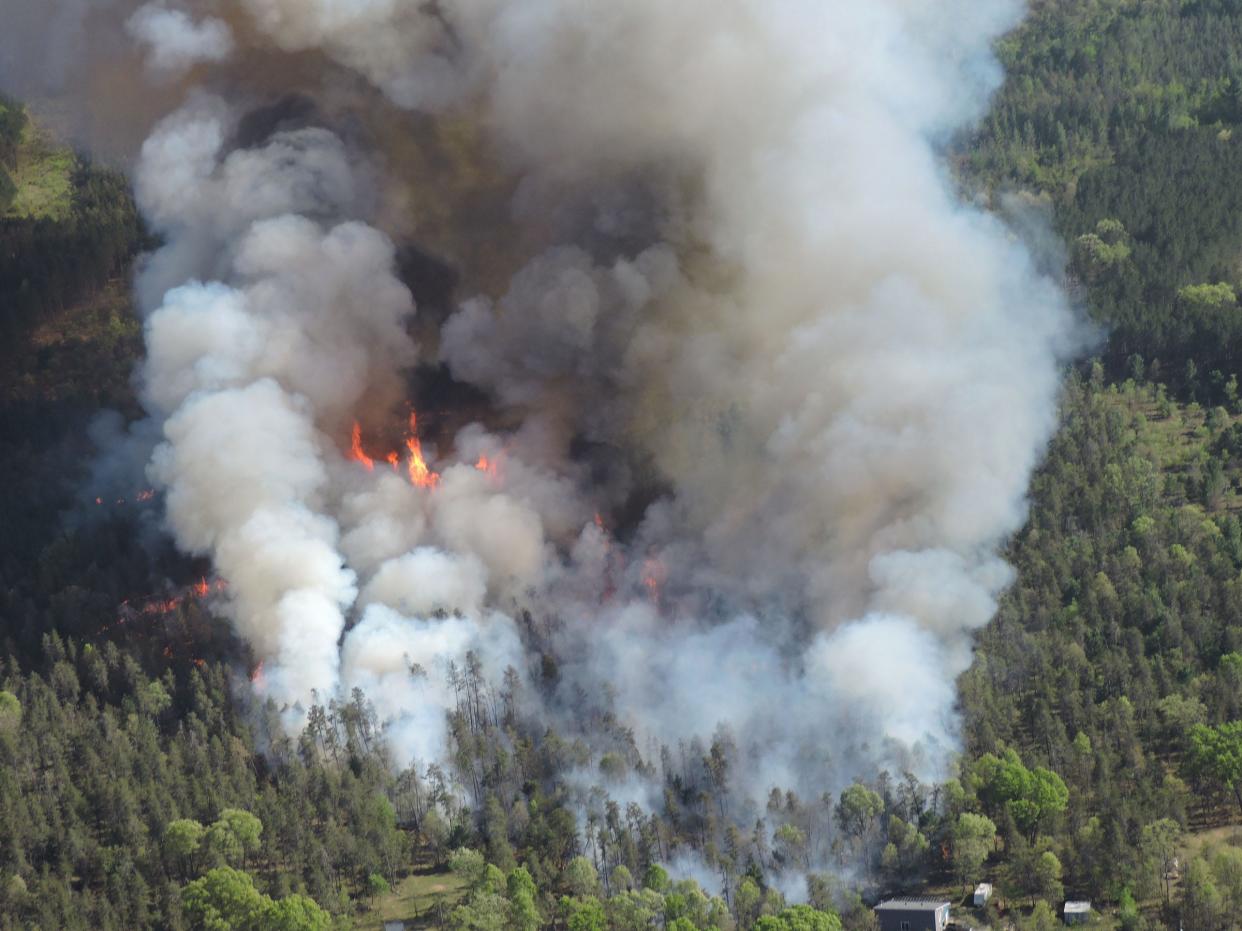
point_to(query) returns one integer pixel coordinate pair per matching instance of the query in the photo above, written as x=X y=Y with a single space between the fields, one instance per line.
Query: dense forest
x=1102 y=716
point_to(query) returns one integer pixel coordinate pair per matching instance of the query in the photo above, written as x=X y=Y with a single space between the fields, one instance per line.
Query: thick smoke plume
x=763 y=397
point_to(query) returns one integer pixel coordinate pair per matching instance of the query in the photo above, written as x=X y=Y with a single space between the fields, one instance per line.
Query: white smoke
x=753 y=325
x=176 y=41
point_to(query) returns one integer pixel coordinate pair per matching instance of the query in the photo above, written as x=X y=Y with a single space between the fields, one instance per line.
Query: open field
x=418 y=900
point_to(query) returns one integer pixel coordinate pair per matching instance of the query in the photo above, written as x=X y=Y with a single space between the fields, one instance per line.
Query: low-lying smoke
x=757 y=330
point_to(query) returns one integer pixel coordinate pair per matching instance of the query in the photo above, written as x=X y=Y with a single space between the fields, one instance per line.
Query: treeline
x=120 y=790
x=1127 y=111
x=48 y=262
x=1122 y=639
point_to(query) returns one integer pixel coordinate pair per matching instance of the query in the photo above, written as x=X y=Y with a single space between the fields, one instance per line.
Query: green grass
x=43 y=176
x=414 y=901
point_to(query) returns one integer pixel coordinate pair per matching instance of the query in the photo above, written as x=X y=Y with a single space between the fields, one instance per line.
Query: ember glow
x=654 y=576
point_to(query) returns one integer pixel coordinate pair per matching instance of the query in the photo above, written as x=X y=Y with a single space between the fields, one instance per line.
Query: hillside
x=141 y=787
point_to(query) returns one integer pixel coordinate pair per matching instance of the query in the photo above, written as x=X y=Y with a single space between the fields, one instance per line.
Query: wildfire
x=654 y=576
x=488 y=466
x=256 y=676
x=420 y=473
x=142 y=497
x=355 y=449
x=162 y=606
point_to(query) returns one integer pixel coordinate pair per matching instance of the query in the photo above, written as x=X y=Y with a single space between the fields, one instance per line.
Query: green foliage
x=581 y=878
x=1030 y=797
x=1215 y=754
x=66 y=225
x=129 y=779
x=973 y=837
x=1211 y=296
x=224 y=899
x=182 y=839
x=223 y=845
x=293 y=913
x=1125 y=115
x=656 y=878
x=227 y=900
x=800 y=918
x=1128 y=913
x=470 y=865
x=585 y=914
x=858 y=808
x=1041 y=918
x=10 y=711
x=377 y=884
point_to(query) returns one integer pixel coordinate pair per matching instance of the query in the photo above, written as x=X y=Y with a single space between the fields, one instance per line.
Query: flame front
x=355 y=449
x=420 y=473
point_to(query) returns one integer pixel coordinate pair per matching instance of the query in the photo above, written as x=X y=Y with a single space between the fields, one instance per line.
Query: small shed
x=913 y=915
x=983 y=892
x=394 y=926
x=1077 y=913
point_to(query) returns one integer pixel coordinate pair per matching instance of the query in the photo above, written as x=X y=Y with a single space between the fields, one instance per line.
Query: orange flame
x=162 y=606
x=256 y=677
x=355 y=449
x=146 y=494
x=420 y=473
x=654 y=576
x=488 y=466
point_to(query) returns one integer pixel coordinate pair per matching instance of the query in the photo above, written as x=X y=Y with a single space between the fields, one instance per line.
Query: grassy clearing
x=417 y=901
x=43 y=176
x=1197 y=842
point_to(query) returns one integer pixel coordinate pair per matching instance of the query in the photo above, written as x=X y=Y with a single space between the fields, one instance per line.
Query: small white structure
x=394 y=926
x=983 y=892
x=1077 y=913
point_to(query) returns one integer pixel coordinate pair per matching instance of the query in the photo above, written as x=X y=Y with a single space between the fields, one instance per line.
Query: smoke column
x=763 y=397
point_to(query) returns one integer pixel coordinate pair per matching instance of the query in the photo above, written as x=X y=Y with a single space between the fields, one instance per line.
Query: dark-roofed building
x=913 y=915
